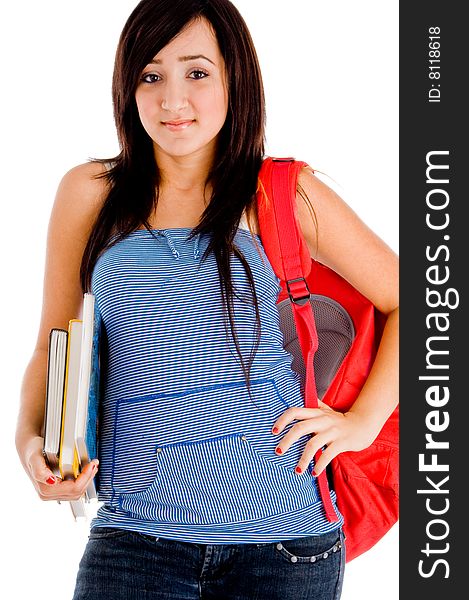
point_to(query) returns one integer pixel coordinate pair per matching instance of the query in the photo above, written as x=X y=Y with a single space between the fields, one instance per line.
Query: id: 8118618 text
x=434 y=73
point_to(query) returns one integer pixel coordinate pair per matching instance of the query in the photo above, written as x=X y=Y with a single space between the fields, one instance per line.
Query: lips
x=180 y=122
x=177 y=125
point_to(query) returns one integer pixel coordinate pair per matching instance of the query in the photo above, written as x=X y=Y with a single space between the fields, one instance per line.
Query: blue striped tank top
x=185 y=452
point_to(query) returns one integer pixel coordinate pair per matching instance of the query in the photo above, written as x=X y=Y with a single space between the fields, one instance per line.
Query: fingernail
x=315 y=474
x=298 y=470
x=278 y=450
x=50 y=480
x=274 y=429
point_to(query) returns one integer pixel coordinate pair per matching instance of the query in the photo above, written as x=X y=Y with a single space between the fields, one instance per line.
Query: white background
x=330 y=72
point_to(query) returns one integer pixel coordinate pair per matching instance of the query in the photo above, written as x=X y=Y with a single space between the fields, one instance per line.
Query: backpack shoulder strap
x=289 y=255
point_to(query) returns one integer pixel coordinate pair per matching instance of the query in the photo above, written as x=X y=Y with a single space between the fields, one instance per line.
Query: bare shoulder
x=332 y=217
x=80 y=194
x=340 y=239
x=317 y=208
x=85 y=173
x=320 y=194
x=78 y=200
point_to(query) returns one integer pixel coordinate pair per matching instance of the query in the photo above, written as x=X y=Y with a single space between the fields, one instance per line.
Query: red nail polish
x=275 y=430
x=315 y=474
x=278 y=450
x=50 y=480
x=298 y=470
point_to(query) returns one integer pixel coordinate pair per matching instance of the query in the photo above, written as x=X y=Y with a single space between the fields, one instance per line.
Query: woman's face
x=184 y=82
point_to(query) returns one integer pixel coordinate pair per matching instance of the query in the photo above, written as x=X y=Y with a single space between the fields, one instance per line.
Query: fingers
x=327 y=429
x=326 y=457
x=324 y=406
x=321 y=445
x=69 y=489
x=311 y=448
x=292 y=414
x=302 y=428
x=39 y=469
x=88 y=472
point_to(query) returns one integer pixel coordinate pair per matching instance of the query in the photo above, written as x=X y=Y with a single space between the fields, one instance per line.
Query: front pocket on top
x=145 y=422
x=214 y=481
x=205 y=455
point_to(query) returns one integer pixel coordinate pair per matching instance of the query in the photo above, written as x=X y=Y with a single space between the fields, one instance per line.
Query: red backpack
x=332 y=331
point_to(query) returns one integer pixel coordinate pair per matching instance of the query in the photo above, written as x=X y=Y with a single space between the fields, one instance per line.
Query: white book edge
x=78 y=508
x=55 y=389
x=84 y=386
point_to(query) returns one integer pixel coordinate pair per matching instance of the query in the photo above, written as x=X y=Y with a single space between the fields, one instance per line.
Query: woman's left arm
x=338 y=238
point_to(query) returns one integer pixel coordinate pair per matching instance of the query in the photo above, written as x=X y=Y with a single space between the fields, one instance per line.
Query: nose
x=174 y=98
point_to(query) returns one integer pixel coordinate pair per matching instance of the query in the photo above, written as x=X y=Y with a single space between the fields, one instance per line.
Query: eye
x=199 y=72
x=147 y=78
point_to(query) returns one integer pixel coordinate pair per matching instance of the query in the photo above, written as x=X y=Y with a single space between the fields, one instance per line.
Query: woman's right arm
x=78 y=200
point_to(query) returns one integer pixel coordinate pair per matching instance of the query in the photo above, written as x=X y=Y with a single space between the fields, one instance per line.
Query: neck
x=186 y=174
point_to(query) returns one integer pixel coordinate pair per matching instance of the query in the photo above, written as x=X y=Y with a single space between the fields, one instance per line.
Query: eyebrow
x=157 y=61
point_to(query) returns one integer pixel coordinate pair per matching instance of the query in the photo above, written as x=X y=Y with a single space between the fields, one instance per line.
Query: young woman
x=206 y=449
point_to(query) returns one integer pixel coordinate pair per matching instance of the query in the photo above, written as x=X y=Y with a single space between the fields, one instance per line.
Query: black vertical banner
x=434 y=241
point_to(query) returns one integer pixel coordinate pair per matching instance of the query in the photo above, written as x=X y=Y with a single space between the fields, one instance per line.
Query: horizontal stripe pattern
x=185 y=451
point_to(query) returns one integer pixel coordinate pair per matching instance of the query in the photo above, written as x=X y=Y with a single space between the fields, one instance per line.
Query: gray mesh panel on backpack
x=335 y=336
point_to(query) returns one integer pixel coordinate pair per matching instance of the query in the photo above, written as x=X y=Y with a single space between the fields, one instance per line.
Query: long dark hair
x=134 y=176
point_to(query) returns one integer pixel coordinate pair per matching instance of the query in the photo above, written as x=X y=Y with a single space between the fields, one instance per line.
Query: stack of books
x=73 y=390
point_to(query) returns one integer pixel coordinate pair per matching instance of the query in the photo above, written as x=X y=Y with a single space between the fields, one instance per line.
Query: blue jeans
x=119 y=564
